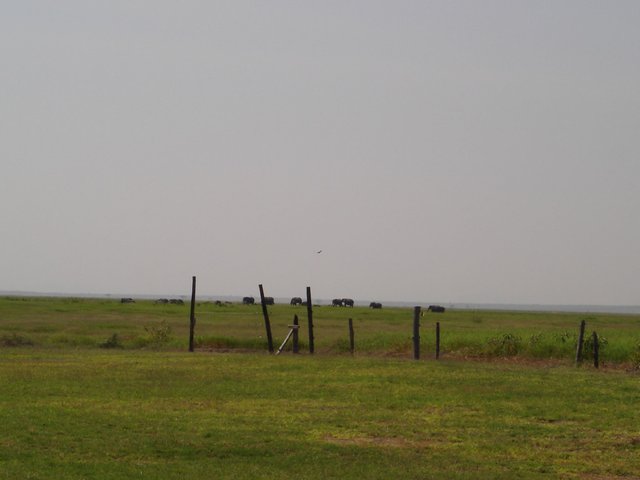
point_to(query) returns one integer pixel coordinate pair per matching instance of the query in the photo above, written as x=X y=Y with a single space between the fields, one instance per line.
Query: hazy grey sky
x=463 y=151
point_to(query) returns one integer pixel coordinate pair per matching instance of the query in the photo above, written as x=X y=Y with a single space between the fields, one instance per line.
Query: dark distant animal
x=162 y=300
x=127 y=300
x=347 y=302
x=296 y=301
x=176 y=301
x=248 y=300
x=375 y=305
x=336 y=302
x=435 y=309
x=269 y=301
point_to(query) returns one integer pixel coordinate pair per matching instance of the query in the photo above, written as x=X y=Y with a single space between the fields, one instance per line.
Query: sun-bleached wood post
x=192 y=316
x=416 y=333
x=267 y=323
x=580 y=342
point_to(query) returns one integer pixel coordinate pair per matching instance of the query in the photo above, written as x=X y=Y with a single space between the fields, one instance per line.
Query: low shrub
x=505 y=345
x=112 y=342
x=159 y=333
x=71 y=340
x=15 y=340
x=635 y=357
x=218 y=342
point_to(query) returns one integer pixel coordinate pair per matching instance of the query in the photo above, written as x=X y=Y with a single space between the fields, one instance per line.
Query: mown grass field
x=165 y=415
x=146 y=408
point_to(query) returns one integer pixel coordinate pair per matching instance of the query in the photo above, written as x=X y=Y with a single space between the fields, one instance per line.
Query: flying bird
x=319 y=251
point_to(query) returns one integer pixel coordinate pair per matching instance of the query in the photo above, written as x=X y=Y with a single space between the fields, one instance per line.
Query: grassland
x=88 y=323
x=145 y=408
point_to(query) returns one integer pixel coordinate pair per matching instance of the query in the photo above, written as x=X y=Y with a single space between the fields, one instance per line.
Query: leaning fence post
x=310 y=320
x=192 y=315
x=580 y=342
x=416 y=333
x=352 y=343
x=596 y=350
x=437 y=340
x=267 y=324
x=295 y=334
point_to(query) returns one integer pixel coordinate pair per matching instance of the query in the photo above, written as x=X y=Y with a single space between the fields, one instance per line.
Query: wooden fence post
x=580 y=342
x=352 y=343
x=416 y=333
x=192 y=315
x=596 y=350
x=295 y=334
x=310 y=320
x=267 y=324
x=437 y=340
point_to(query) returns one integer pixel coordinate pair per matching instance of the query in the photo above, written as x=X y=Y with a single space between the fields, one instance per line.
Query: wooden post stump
x=580 y=343
x=416 y=333
x=295 y=335
x=267 y=323
x=310 y=320
x=192 y=315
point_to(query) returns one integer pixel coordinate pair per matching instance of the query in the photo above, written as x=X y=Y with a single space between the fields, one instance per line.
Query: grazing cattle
x=162 y=300
x=375 y=305
x=347 y=302
x=435 y=309
x=296 y=301
x=269 y=301
x=248 y=300
x=336 y=302
x=127 y=300
x=176 y=301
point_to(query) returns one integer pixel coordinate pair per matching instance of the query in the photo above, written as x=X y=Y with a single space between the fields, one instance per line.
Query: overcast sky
x=452 y=151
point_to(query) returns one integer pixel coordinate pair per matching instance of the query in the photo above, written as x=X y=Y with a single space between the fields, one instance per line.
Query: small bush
x=535 y=339
x=112 y=342
x=15 y=340
x=635 y=357
x=567 y=337
x=505 y=345
x=159 y=333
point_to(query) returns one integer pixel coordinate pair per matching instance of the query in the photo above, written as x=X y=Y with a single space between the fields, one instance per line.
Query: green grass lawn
x=122 y=414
